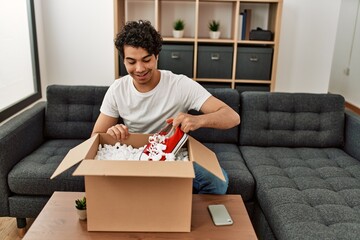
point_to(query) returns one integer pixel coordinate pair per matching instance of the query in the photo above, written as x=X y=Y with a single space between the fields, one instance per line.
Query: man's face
x=140 y=65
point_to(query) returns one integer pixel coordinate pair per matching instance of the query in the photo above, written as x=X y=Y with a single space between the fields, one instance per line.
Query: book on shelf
x=240 y=25
x=243 y=28
x=247 y=19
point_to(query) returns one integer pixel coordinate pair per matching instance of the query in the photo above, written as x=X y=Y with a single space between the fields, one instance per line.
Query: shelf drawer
x=253 y=63
x=243 y=87
x=177 y=58
x=215 y=62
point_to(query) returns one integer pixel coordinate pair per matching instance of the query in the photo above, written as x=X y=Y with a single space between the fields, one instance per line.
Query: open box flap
x=205 y=158
x=132 y=168
x=137 y=140
x=76 y=155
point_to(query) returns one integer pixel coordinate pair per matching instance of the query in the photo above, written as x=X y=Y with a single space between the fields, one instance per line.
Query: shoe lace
x=157 y=146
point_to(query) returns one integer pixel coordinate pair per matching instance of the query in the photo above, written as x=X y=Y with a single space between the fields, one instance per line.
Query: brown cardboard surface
x=130 y=168
x=139 y=204
x=205 y=157
x=76 y=155
x=88 y=149
x=138 y=195
x=136 y=140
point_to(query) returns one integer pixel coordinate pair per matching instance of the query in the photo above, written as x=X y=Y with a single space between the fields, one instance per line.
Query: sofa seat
x=31 y=176
x=310 y=193
x=230 y=159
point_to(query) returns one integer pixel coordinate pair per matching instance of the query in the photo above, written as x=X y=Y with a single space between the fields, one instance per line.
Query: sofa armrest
x=19 y=137
x=352 y=134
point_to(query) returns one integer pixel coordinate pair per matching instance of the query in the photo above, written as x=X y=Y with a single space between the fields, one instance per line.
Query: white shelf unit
x=197 y=14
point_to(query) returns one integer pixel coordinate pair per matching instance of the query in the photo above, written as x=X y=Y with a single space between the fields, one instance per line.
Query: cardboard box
x=137 y=196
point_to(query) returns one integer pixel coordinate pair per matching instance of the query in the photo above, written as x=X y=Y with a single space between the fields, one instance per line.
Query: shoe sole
x=180 y=144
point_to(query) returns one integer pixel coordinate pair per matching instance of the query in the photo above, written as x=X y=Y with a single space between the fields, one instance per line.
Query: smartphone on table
x=220 y=215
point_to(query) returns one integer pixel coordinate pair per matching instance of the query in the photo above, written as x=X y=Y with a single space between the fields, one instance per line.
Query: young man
x=147 y=97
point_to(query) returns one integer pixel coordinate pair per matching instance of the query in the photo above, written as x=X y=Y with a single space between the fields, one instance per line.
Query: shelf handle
x=175 y=55
x=215 y=56
x=253 y=59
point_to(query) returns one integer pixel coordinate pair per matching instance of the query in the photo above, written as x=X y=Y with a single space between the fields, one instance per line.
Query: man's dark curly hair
x=139 y=34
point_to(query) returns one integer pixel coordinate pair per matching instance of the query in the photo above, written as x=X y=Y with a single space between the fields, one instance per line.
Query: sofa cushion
x=240 y=179
x=31 y=176
x=231 y=97
x=307 y=193
x=292 y=119
x=71 y=112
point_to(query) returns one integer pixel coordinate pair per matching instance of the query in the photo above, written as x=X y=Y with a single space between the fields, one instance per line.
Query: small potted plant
x=80 y=205
x=178 y=28
x=214 y=27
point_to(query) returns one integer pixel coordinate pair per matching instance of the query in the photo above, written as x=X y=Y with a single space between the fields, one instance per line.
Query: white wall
x=347 y=54
x=307 y=42
x=77 y=42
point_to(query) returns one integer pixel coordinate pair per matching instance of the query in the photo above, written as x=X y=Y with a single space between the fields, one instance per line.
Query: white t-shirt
x=147 y=112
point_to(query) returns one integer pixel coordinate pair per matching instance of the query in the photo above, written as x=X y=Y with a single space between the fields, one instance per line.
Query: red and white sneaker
x=167 y=141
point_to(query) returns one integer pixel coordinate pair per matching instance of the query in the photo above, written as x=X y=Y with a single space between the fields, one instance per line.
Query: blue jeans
x=206 y=182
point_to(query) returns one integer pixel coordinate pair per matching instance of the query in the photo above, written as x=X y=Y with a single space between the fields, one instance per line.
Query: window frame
x=36 y=95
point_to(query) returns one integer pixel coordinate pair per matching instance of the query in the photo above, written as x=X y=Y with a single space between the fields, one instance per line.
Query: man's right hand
x=119 y=132
x=107 y=124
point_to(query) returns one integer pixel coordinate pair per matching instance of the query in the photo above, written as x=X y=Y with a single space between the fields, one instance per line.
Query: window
x=19 y=63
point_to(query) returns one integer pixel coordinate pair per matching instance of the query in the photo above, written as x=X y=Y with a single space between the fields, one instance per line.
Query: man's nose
x=140 y=67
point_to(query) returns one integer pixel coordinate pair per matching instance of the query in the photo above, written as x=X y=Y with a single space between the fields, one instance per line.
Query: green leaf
x=80 y=203
x=179 y=24
x=214 y=25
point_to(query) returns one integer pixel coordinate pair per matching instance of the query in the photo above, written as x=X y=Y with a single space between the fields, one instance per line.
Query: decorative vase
x=214 y=35
x=82 y=214
x=178 y=33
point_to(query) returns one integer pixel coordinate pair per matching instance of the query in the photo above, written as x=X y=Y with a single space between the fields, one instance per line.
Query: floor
x=8 y=229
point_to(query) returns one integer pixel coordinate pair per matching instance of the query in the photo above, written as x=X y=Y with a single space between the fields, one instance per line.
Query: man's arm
x=217 y=114
x=107 y=124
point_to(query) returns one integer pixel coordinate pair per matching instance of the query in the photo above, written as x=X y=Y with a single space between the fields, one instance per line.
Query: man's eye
x=147 y=60
x=131 y=63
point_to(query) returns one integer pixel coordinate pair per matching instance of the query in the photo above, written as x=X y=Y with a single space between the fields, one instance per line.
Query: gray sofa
x=294 y=158
x=303 y=151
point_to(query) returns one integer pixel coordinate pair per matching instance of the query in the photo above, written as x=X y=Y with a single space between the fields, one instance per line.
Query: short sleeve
x=109 y=106
x=195 y=95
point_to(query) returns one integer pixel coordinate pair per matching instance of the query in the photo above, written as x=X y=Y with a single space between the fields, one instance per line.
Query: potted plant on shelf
x=214 y=27
x=80 y=205
x=178 y=30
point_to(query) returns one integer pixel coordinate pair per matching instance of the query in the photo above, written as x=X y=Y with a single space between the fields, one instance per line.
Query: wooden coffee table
x=59 y=220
